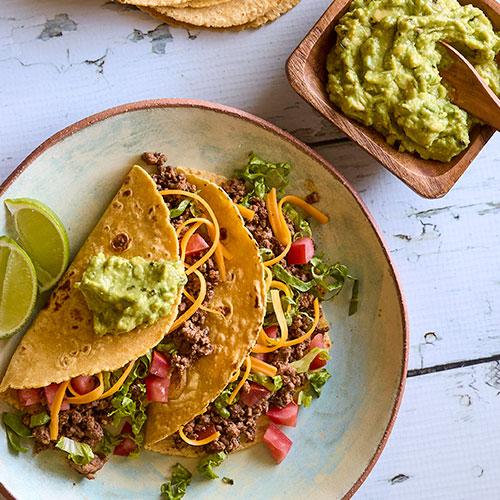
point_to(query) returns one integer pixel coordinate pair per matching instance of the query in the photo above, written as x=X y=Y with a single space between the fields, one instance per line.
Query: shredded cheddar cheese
x=312 y=211
x=215 y=223
x=55 y=409
x=274 y=219
x=90 y=396
x=248 y=362
x=196 y=304
x=263 y=367
x=200 y=442
x=118 y=383
x=282 y=255
x=203 y=308
x=311 y=330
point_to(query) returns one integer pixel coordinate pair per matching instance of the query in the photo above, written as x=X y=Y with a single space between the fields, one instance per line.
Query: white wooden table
x=63 y=60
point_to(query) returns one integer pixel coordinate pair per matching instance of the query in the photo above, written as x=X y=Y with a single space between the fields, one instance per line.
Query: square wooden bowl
x=306 y=71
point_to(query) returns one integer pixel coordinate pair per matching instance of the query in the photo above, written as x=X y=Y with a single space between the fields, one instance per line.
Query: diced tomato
x=29 y=397
x=83 y=384
x=160 y=365
x=206 y=432
x=157 y=388
x=271 y=331
x=196 y=244
x=50 y=393
x=127 y=446
x=278 y=443
x=255 y=395
x=301 y=251
x=317 y=341
x=284 y=416
x=261 y=355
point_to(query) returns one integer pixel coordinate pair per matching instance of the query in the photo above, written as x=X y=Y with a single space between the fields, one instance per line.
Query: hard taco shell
x=242 y=299
x=61 y=343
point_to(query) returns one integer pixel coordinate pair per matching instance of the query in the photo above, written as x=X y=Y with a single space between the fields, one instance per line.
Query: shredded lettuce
x=304 y=398
x=175 y=489
x=263 y=176
x=222 y=400
x=15 y=430
x=228 y=480
x=206 y=463
x=180 y=208
x=80 y=453
x=272 y=384
x=302 y=365
x=301 y=225
x=283 y=275
x=327 y=281
x=131 y=405
x=317 y=380
x=39 y=419
x=266 y=254
x=169 y=348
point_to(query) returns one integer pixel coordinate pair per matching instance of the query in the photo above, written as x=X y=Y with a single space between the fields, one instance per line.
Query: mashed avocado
x=383 y=70
x=126 y=293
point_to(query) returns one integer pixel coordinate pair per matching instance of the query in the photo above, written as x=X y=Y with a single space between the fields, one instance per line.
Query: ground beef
x=91 y=468
x=291 y=382
x=83 y=423
x=241 y=425
x=154 y=158
x=235 y=189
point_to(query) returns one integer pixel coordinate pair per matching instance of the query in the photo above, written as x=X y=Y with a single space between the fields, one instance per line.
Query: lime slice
x=17 y=287
x=42 y=235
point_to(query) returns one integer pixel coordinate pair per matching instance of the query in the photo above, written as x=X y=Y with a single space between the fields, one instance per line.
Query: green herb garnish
x=39 y=419
x=206 y=463
x=175 y=489
x=15 y=430
x=317 y=380
x=263 y=176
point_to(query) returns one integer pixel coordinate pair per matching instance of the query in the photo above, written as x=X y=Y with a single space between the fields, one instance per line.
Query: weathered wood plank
x=445 y=251
x=445 y=442
x=62 y=62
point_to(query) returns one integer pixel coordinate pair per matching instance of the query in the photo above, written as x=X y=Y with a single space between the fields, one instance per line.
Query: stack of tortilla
x=215 y=14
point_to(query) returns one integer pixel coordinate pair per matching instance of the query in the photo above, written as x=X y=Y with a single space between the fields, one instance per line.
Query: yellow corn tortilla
x=61 y=343
x=223 y=15
x=173 y=3
x=241 y=297
x=167 y=444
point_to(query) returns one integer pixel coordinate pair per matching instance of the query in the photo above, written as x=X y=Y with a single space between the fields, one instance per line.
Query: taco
x=72 y=377
x=286 y=366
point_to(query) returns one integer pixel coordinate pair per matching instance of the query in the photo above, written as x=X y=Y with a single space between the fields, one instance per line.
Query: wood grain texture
x=306 y=70
x=470 y=91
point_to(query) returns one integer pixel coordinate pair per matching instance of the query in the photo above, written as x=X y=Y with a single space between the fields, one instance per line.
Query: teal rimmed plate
x=340 y=436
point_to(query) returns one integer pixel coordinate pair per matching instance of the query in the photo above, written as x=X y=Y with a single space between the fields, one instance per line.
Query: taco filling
x=82 y=414
x=285 y=368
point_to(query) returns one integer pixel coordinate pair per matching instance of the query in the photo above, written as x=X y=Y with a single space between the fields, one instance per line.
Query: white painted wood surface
x=62 y=61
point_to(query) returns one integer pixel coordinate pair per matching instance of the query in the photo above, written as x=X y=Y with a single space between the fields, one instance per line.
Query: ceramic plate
x=340 y=436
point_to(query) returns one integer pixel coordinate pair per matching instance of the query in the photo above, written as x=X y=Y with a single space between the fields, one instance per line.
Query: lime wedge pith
x=42 y=235
x=18 y=287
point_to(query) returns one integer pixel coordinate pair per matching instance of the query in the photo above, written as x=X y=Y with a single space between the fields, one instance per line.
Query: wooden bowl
x=306 y=71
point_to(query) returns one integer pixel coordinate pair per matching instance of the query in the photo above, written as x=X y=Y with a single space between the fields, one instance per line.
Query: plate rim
x=244 y=115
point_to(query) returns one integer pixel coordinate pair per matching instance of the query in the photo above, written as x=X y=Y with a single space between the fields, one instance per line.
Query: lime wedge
x=42 y=234
x=17 y=287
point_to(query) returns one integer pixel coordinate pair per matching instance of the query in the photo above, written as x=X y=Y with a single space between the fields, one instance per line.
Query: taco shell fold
x=61 y=343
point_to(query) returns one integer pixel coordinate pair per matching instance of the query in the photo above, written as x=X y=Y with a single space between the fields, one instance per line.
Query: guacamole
x=126 y=293
x=383 y=70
